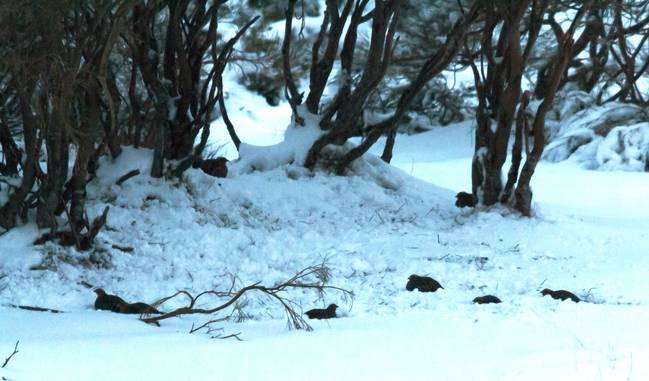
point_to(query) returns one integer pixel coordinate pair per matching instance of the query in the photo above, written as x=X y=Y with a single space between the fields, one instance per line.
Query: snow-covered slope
x=374 y=229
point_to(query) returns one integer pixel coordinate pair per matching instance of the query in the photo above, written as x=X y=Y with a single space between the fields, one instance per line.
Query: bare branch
x=432 y=67
x=127 y=176
x=11 y=355
x=290 y=89
x=36 y=309
x=300 y=281
x=220 y=64
x=321 y=67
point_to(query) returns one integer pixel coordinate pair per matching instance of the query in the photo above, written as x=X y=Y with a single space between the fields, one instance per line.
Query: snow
x=625 y=147
x=386 y=348
x=374 y=228
x=614 y=136
x=291 y=150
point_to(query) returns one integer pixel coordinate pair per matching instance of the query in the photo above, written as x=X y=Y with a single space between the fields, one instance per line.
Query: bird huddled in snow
x=320 y=313
x=422 y=283
x=486 y=299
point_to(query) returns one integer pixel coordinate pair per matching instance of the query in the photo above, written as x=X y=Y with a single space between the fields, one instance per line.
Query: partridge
x=561 y=294
x=319 y=313
x=108 y=302
x=422 y=283
x=114 y=303
x=486 y=299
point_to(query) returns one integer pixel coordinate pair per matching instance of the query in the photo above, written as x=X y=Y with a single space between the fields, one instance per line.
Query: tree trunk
x=348 y=110
x=498 y=96
x=10 y=151
x=523 y=191
x=51 y=191
x=517 y=149
x=9 y=211
x=89 y=129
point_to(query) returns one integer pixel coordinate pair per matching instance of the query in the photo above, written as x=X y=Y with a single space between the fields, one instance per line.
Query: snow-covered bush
x=625 y=147
x=612 y=136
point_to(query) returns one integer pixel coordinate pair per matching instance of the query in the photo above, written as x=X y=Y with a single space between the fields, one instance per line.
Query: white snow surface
x=614 y=136
x=589 y=235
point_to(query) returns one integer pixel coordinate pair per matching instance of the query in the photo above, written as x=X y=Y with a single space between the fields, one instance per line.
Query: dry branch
x=432 y=67
x=36 y=309
x=295 y=320
x=11 y=355
x=219 y=65
x=125 y=249
x=382 y=39
x=127 y=176
x=293 y=96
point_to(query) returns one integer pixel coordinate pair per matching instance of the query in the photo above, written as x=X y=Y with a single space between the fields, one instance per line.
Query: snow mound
x=199 y=232
x=608 y=137
x=292 y=150
x=625 y=147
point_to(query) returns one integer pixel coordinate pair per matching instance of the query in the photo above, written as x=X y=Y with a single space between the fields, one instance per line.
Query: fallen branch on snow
x=127 y=176
x=295 y=320
x=125 y=249
x=36 y=309
x=11 y=355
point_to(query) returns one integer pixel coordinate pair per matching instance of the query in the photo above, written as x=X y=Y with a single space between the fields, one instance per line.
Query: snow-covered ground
x=589 y=235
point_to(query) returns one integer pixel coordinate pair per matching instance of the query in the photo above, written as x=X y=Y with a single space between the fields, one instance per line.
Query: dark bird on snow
x=561 y=294
x=139 y=308
x=422 y=283
x=319 y=313
x=463 y=199
x=486 y=299
x=114 y=303
x=216 y=167
x=108 y=302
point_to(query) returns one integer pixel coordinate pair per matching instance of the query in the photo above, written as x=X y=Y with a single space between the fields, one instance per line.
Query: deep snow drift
x=374 y=229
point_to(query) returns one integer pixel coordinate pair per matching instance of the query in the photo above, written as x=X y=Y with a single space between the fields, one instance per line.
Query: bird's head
x=411 y=279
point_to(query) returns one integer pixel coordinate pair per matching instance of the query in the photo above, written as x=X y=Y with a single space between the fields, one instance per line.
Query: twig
x=207 y=324
x=36 y=309
x=97 y=224
x=379 y=215
x=219 y=66
x=86 y=284
x=11 y=355
x=126 y=249
x=235 y=335
x=544 y=280
x=127 y=176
